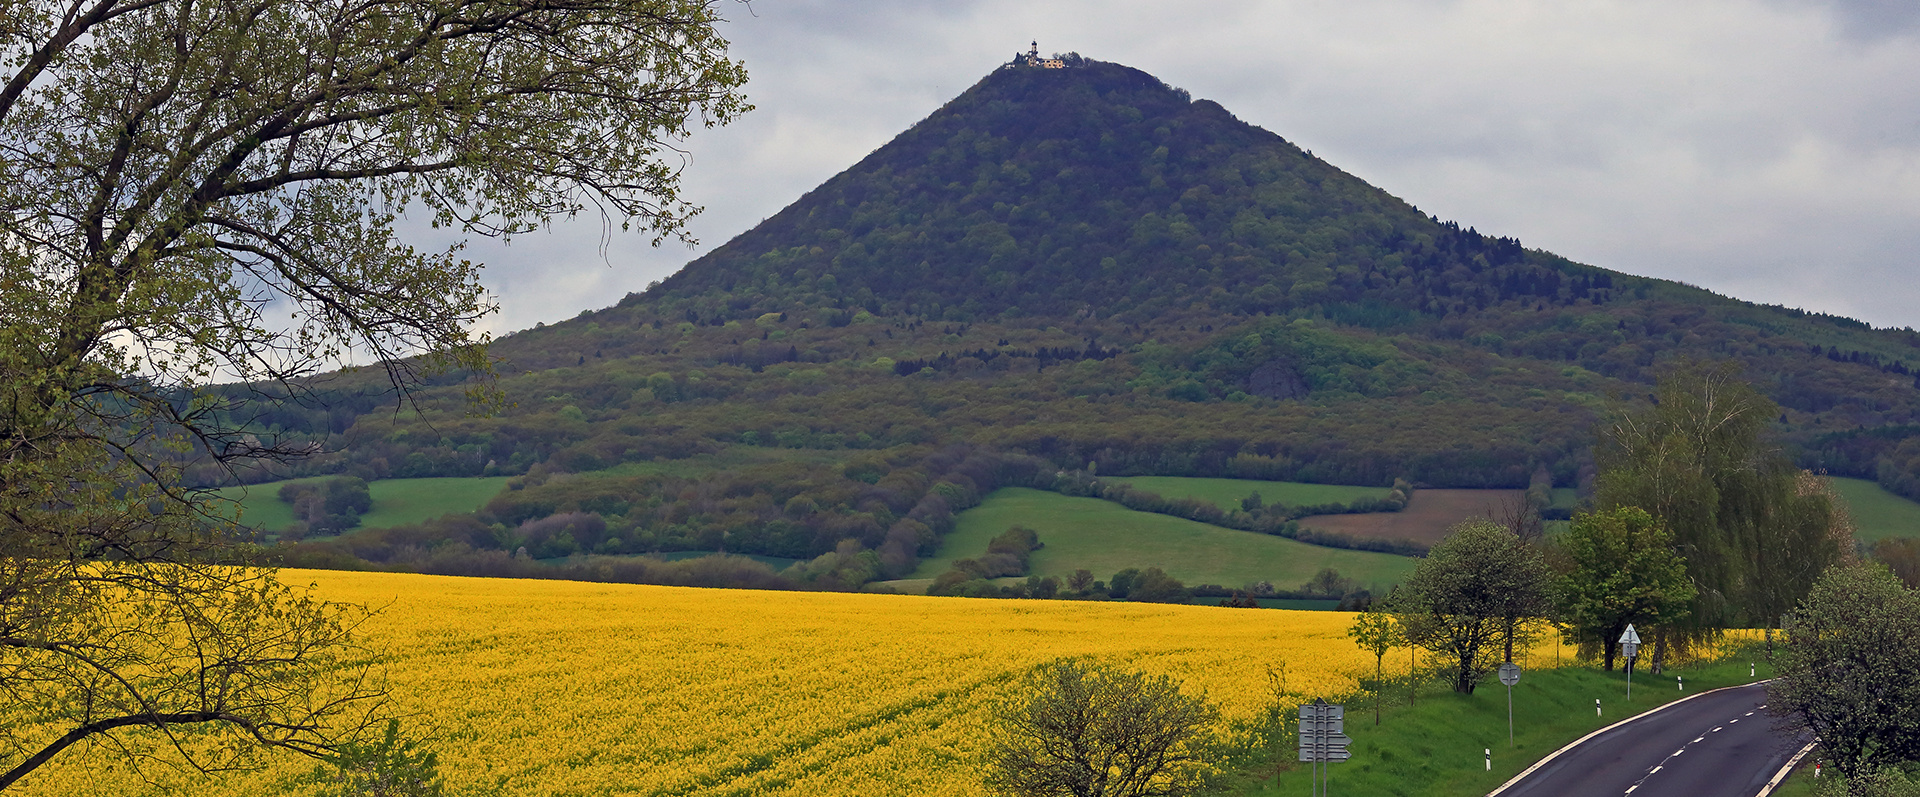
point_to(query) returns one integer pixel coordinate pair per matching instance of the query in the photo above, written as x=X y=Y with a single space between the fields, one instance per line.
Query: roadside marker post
x=1596 y=707
x=1489 y=759
x=1680 y=682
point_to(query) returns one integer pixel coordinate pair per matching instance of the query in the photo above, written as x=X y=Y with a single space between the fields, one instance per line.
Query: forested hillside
x=1075 y=269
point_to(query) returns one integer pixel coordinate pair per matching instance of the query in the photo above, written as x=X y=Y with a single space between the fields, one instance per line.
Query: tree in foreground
x=1470 y=597
x=1090 y=730
x=1850 y=672
x=1377 y=633
x=195 y=191
x=1618 y=567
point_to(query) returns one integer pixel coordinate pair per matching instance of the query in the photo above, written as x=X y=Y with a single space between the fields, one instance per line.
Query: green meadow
x=396 y=502
x=1227 y=493
x=1105 y=537
x=1877 y=513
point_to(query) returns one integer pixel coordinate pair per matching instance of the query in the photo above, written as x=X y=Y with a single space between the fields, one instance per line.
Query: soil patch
x=1425 y=520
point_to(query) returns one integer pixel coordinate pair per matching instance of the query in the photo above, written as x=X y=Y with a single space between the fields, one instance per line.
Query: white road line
x=1631 y=788
x=1716 y=730
x=1677 y=752
x=1732 y=721
x=1537 y=765
x=1696 y=740
x=1749 y=713
x=1655 y=769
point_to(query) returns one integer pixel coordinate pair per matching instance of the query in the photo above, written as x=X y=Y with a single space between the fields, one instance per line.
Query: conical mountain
x=1067 y=272
x=1099 y=189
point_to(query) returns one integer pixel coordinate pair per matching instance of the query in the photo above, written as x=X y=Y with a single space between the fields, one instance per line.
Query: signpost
x=1629 y=647
x=1509 y=675
x=1321 y=740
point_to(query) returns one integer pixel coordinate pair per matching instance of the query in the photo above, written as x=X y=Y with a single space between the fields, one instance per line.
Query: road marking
x=1749 y=713
x=1716 y=730
x=1677 y=752
x=1732 y=721
x=1542 y=763
x=1631 y=788
x=1696 y=740
x=1655 y=769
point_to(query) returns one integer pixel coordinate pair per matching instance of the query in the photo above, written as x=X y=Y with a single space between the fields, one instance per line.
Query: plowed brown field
x=1425 y=520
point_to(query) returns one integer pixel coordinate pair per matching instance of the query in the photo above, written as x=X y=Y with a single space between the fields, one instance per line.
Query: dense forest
x=1075 y=270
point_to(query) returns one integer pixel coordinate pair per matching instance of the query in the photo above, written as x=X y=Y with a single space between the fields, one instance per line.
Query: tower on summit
x=1032 y=58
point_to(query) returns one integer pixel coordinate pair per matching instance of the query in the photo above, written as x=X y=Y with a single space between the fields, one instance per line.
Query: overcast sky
x=1765 y=149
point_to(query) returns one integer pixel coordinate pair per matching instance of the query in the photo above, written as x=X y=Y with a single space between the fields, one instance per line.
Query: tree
x=1089 y=730
x=1469 y=595
x=392 y=766
x=1618 y=568
x=1754 y=531
x=1850 y=671
x=1378 y=633
x=203 y=191
x=1155 y=586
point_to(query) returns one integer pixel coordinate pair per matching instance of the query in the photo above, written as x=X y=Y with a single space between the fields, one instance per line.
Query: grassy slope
x=396 y=502
x=1435 y=748
x=1105 y=537
x=1227 y=493
x=1880 y=514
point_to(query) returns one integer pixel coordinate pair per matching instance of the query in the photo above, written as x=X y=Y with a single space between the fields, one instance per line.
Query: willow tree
x=1754 y=530
x=195 y=191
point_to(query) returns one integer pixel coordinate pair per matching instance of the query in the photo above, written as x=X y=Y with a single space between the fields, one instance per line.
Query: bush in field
x=1089 y=730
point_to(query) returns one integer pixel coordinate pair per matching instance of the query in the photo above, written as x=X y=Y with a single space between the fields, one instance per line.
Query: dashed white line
x=1655 y=769
x=1749 y=713
x=1696 y=740
x=1631 y=788
x=1716 y=729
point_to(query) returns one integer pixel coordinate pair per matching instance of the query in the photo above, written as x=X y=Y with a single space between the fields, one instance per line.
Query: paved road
x=1715 y=745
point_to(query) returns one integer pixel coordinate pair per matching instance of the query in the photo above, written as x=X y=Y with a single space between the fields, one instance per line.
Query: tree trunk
x=1379 y=685
x=1509 y=640
x=1659 y=650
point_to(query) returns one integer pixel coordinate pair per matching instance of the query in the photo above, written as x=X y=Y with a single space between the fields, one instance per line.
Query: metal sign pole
x=1630 y=645
x=1509 y=675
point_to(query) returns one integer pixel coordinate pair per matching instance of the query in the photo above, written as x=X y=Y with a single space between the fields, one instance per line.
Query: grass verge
x=1436 y=747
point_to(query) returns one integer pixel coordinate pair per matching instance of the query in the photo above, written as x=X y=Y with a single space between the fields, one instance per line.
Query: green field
x=396 y=502
x=1227 y=493
x=1434 y=748
x=1105 y=537
x=1878 y=513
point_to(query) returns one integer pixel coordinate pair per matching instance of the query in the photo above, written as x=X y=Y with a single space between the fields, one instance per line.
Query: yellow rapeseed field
x=566 y=688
